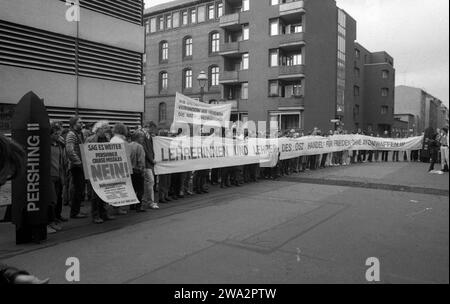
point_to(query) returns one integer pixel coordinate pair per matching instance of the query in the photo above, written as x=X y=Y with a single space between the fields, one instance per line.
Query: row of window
x=384 y=73
x=188 y=47
x=188 y=78
x=384 y=110
x=276 y=88
x=277 y=57
x=384 y=91
x=191 y=16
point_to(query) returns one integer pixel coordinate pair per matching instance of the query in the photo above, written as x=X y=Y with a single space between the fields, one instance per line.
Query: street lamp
x=202 y=81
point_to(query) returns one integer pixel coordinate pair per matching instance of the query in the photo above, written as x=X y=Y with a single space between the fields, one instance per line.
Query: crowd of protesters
x=72 y=189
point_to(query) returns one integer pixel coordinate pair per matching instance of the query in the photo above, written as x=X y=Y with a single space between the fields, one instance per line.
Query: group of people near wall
x=70 y=187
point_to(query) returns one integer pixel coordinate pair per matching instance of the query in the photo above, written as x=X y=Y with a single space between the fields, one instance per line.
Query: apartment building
x=428 y=110
x=291 y=63
x=92 y=67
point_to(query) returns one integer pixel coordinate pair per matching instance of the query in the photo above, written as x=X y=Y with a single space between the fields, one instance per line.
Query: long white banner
x=190 y=111
x=183 y=154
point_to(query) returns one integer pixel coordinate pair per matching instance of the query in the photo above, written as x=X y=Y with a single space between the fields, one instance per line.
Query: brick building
x=427 y=109
x=292 y=63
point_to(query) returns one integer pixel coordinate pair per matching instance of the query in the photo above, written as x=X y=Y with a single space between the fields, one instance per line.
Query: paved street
x=316 y=227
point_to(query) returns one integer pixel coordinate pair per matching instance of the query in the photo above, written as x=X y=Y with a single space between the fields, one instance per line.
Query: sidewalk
x=401 y=176
x=386 y=176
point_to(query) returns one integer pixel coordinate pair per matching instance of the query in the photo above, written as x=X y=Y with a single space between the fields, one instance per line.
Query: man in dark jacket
x=150 y=131
x=73 y=141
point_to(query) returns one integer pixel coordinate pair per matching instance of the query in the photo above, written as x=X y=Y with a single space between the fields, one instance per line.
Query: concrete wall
x=60 y=90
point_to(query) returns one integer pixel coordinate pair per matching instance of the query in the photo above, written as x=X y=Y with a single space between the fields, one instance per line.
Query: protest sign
x=188 y=110
x=108 y=168
x=183 y=154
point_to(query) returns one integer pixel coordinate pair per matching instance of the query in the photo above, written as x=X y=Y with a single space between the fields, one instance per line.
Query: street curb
x=367 y=185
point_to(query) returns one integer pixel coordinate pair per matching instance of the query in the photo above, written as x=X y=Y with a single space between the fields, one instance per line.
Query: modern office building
x=293 y=63
x=428 y=110
x=93 y=67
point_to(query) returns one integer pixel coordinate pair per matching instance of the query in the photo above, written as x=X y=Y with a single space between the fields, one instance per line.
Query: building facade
x=428 y=110
x=92 y=67
x=275 y=61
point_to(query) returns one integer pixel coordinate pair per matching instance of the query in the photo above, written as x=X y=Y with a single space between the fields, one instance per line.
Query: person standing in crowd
x=58 y=176
x=12 y=162
x=136 y=153
x=150 y=130
x=385 y=154
x=73 y=141
x=396 y=154
x=98 y=208
x=120 y=132
x=444 y=149
x=164 y=181
x=432 y=145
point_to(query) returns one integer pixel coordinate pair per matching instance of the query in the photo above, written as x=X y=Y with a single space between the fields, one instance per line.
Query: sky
x=414 y=32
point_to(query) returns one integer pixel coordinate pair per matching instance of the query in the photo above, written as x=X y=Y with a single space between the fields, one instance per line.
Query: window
x=187 y=79
x=245 y=61
x=245 y=32
x=162 y=112
x=161 y=23
x=219 y=10
x=176 y=19
x=168 y=21
x=385 y=92
x=152 y=25
x=147 y=27
x=274 y=27
x=211 y=12
x=273 y=58
x=214 y=74
x=273 y=88
x=356 y=91
x=357 y=54
x=356 y=110
x=244 y=90
x=184 y=18
x=215 y=43
x=274 y=2
x=357 y=73
x=164 y=51
x=201 y=14
x=384 y=110
x=385 y=74
x=193 y=16
x=163 y=81
x=188 y=47
x=245 y=5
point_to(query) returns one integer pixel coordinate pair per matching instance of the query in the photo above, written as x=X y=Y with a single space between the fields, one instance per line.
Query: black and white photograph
x=224 y=149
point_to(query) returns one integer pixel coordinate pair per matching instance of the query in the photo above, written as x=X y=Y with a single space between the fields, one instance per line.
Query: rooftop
x=170 y=5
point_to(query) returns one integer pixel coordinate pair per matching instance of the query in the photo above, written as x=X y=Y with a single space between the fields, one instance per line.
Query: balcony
x=291 y=41
x=291 y=8
x=229 y=77
x=229 y=49
x=291 y=102
x=291 y=72
x=231 y=21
